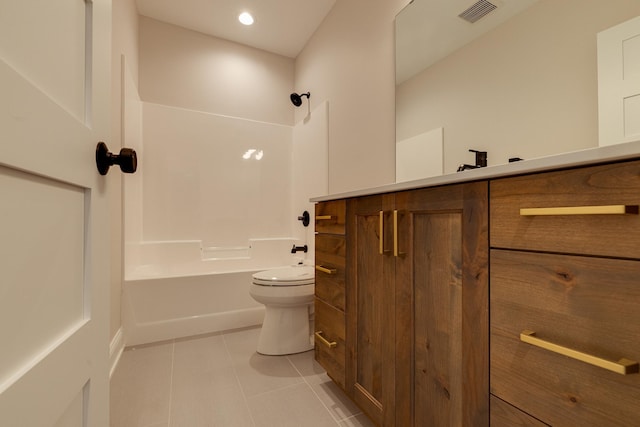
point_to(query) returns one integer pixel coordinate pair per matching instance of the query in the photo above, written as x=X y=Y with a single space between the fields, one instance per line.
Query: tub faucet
x=299 y=248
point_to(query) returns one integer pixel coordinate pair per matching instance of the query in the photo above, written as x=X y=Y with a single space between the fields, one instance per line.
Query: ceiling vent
x=477 y=11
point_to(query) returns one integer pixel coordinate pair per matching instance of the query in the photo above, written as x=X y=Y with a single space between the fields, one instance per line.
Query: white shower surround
x=198 y=185
x=200 y=219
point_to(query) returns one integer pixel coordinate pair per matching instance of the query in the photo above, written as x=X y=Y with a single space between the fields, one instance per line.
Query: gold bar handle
x=323 y=340
x=326 y=270
x=395 y=232
x=324 y=217
x=381 y=237
x=582 y=210
x=396 y=246
x=622 y=366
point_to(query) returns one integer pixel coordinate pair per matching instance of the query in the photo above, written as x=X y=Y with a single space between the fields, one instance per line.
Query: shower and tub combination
x=179 y=288
x=175 y=287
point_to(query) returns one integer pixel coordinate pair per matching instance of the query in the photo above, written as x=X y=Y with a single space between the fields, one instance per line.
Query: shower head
x=297 y=99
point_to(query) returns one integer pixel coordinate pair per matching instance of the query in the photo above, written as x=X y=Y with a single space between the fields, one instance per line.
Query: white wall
x=124 y=43
x=206 y=101
x=188 y=69
x=349 y=62
x=526 y=89
x=132 y=138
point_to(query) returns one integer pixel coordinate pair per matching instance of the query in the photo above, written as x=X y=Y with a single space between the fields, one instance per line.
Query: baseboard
x=115 y=350
x=145 y=333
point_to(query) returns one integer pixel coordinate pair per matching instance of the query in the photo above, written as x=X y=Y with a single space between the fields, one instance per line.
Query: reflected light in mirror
x=252 y=152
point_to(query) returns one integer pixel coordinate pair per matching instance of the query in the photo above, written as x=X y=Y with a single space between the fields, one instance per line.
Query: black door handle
x=126 y=159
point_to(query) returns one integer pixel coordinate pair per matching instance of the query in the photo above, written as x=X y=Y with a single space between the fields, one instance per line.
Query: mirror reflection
x=520 y=81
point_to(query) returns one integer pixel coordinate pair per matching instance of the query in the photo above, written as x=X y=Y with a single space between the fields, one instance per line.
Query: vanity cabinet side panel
x=330 y=259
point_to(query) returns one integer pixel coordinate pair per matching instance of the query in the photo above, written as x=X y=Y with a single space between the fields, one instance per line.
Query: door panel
x=369 y=348
x=54 y=245
x=442 y=368
x=438 y=319
x=370 y=308
x=45 y=42
x=43 y=269
x=619 y=83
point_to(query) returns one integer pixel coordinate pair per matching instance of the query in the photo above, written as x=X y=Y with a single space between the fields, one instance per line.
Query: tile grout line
x=235 y=374
x=173 y=359
x=314 y=392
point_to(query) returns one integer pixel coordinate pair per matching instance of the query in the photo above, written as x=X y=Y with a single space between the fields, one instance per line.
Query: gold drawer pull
x=582 y=210
x=622 y=366
x=323 y=340
x=326 y=270
x=324 y=217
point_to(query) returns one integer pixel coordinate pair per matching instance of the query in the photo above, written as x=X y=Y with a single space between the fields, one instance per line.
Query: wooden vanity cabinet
x=330 y=259
x=417 y=308
x=404 y=301
x=565 y=293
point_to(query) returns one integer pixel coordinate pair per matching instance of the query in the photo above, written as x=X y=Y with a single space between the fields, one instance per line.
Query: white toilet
x=287 y=294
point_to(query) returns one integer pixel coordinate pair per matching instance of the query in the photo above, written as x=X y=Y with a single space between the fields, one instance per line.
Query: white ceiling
x=281 y=26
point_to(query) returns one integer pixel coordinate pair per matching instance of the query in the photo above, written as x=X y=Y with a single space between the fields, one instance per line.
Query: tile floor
x=220 y=380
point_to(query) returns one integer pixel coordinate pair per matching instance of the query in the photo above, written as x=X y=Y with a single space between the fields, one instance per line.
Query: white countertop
x=609 y=153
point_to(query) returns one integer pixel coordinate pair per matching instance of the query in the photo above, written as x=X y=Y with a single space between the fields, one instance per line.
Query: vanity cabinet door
x=441 y=296
x=417 y=306
x=370 y=308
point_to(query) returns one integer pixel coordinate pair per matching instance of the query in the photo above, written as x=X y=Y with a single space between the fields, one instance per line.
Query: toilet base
x=285 y=331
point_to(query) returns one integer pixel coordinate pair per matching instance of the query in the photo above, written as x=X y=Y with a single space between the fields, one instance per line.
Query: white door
x=619 y=83
x=54 y=108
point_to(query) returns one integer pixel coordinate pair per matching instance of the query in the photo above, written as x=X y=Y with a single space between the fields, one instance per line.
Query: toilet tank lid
x=286 y=274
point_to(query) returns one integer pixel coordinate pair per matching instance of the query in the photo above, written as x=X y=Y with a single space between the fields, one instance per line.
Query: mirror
x=520 y=81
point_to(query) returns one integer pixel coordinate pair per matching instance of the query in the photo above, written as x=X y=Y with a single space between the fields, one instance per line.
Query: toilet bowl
x=287 y=294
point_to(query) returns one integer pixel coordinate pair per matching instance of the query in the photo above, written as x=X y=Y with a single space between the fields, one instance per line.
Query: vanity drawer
x=331 y=216
x=329 y=338
x=330 y=269
x=616 y=235
x=505 y=415
x=581 y=303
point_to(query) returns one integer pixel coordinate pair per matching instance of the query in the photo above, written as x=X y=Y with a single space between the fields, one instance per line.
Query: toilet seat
x=287 y=276
x=287 y=294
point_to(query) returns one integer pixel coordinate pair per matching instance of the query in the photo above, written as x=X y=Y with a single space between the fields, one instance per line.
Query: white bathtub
x=180 y=289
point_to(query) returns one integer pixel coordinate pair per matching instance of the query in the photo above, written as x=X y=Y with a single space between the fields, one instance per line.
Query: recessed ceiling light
x=245 y=18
